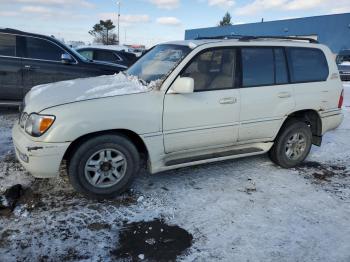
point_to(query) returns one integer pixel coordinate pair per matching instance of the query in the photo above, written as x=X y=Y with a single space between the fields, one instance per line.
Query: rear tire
x=292 y=145
x=104 y=166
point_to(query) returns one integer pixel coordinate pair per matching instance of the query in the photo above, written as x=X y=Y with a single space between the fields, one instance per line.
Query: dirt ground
x=238 y=210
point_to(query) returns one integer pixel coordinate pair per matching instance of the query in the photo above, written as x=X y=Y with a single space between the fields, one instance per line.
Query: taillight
x=341 y=99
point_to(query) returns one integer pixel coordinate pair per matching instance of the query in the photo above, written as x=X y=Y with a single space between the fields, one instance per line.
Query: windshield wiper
x=142 y=81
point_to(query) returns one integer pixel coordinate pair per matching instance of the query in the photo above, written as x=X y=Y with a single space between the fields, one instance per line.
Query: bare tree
x=103 y=33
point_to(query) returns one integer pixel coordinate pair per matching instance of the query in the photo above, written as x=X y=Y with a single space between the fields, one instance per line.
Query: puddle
x=322 y=172
x=152 y=241
x=16 y=196
x=333 y=178
x=9 y=199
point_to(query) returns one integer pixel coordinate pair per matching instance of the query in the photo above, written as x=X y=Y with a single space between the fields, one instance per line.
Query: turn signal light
x=45 y=123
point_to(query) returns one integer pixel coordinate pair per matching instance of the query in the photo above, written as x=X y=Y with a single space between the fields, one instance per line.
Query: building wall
x=331 y=30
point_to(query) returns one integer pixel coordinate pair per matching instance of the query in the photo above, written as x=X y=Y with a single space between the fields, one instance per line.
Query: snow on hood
x=58 y=93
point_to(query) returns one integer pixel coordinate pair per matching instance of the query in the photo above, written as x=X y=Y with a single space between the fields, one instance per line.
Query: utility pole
x=118 y=3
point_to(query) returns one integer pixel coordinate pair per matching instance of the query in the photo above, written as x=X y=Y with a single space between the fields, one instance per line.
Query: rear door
x=10 y=69
x=42 y=63
x=266 y=95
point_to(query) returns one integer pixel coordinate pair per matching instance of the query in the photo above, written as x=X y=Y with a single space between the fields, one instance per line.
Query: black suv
x=109 y=55
x=27 y=60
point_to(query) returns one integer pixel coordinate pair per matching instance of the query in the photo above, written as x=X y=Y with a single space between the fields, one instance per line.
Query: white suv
x=183 y=103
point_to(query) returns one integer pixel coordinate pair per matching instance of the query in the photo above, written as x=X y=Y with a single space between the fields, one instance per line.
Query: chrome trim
x=175 y=131
x=261 y=120
x=17 y=57
x=152 y=134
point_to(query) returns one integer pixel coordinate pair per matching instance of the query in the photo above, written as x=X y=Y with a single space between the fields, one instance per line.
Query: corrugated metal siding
x=332 y=30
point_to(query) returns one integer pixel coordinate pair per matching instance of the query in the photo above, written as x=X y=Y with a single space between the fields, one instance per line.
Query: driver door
x=208 y=117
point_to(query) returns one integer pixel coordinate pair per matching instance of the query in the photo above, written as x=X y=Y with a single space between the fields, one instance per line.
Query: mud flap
x=317 y=140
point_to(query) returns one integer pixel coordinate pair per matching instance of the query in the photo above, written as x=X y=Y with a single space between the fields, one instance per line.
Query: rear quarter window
x=307 y=65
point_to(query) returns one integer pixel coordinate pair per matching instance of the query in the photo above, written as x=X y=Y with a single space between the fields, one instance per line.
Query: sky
x=150 y=21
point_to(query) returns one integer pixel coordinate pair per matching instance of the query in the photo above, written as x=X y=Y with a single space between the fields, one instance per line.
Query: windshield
x=79 y=55
x=158 y=62
x=343 y=58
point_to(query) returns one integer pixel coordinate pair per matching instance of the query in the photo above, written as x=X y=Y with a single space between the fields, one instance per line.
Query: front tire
x=292 y=145
x=104 y=166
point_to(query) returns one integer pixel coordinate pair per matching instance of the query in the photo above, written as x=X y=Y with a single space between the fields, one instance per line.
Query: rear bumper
x=42 y=160
x=331 y=120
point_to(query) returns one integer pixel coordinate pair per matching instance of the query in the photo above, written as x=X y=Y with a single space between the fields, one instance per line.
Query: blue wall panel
x=332 y=30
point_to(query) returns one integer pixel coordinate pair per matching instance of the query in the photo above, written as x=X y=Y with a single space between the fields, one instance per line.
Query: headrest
x=227 y=69
x=203 y=66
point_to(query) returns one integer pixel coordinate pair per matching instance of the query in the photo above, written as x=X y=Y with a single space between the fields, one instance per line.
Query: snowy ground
x=237 y=210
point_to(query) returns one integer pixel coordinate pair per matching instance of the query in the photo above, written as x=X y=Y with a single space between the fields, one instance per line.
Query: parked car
x=195 y=102
x=27 y=60
x=137 y=51
x=109 y=55
x=343 y=62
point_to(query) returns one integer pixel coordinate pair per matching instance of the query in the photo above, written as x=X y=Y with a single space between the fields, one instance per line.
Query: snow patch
x=192 y=45
x=119 y=84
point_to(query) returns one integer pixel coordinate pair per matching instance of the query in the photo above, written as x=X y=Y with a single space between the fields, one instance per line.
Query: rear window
x=258 y=66
x=307 y=65
x=7 y=45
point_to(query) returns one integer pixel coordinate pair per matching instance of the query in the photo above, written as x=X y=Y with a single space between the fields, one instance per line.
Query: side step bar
x=179 y=161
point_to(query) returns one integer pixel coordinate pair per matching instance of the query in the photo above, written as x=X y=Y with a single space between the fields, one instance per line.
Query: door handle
x=284 y=95
x=29 y=67
x=228 y=100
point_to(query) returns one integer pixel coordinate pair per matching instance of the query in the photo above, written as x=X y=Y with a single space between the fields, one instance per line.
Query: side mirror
x=66 y=58
x=183 y=85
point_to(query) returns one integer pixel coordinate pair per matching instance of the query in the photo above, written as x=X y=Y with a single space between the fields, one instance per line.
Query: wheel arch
x=132 y=136
x=312 y=119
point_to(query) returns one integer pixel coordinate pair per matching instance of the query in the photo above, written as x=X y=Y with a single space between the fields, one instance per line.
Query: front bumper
x=345 y=77
x=42 y=160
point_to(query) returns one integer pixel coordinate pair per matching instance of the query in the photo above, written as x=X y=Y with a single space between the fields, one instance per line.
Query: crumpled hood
x=54 y=94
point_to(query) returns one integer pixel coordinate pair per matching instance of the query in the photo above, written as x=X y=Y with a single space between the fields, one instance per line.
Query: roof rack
x=292 y=38
x=220 y=37
x=249 y=38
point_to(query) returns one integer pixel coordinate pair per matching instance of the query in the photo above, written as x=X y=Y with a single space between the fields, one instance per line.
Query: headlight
x=36 y=125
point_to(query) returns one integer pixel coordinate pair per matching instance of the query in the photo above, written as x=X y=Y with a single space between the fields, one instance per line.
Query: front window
x=41 y=49
x=158 y=62
x=213 y=69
